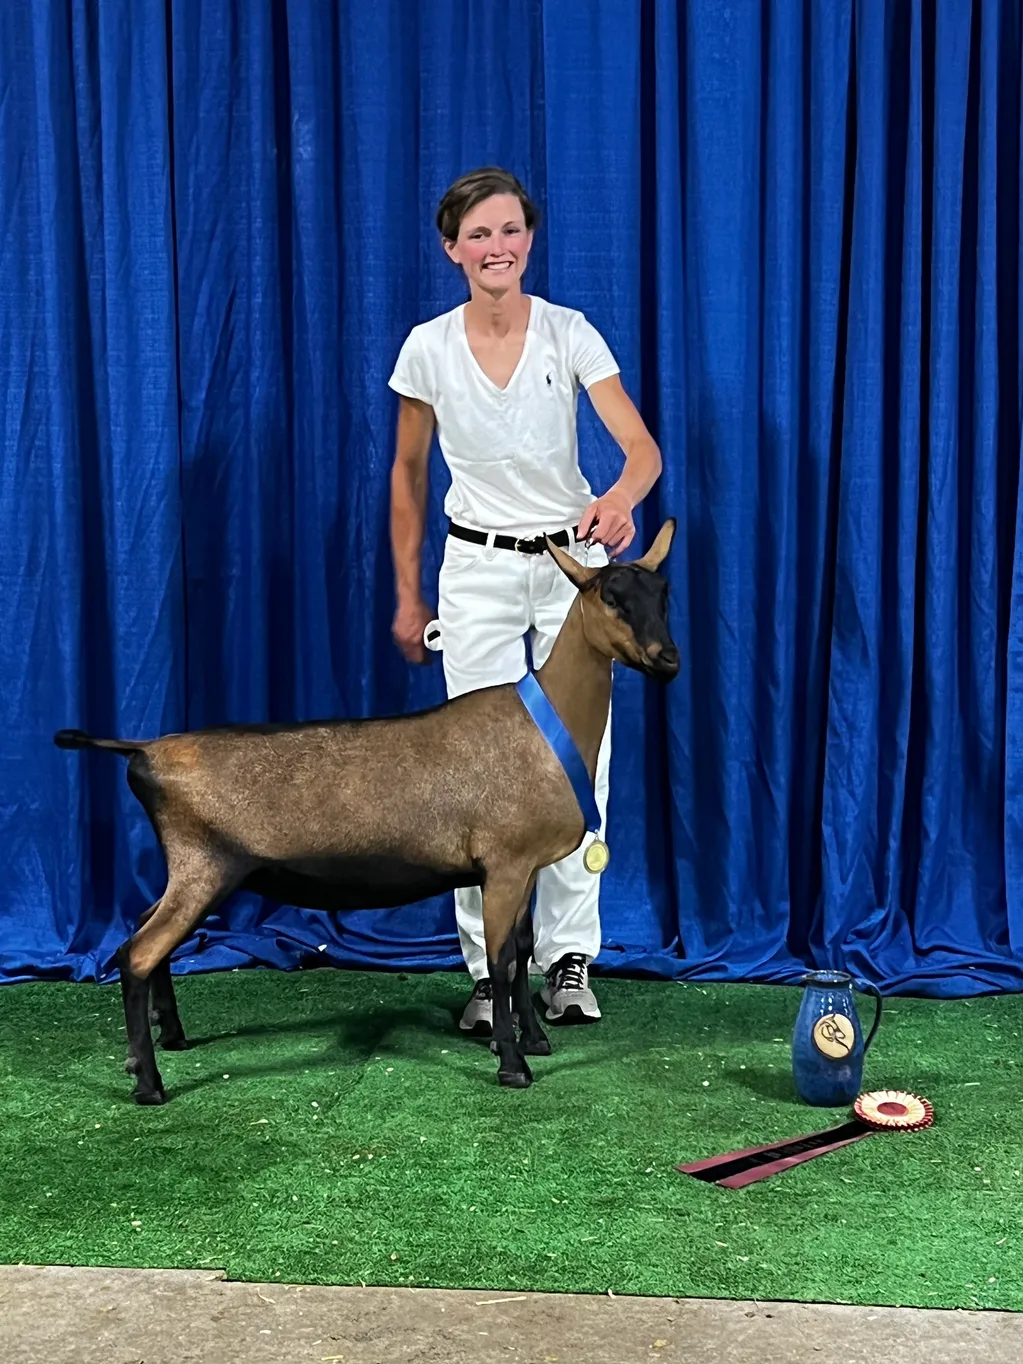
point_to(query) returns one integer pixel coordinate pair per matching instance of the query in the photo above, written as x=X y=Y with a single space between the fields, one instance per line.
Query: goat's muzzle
x=662 y=663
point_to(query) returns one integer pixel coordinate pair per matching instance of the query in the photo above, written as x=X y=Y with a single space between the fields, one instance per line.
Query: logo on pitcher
x=834 y=1036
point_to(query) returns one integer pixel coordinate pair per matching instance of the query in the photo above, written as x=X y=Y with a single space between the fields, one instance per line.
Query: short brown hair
x=470 y=190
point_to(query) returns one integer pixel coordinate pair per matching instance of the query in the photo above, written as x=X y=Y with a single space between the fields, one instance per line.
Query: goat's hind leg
x=186 y=901
x=163 y=1004
x=141 y=1059
x=164 y=1008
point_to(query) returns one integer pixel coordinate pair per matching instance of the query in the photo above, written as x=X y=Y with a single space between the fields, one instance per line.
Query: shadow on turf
x=358 y=1039
x=775 y=1085
x=369 y=1027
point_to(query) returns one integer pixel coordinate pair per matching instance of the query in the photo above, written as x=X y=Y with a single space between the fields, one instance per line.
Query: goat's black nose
x=669 y=657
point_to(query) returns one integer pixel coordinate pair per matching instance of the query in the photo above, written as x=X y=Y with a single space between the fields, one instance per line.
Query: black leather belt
x=536 y=545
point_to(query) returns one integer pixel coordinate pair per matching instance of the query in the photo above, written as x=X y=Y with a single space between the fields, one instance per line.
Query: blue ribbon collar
x=548 y=722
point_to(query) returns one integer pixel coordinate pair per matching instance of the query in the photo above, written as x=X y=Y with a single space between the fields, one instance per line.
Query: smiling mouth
x=500 y=266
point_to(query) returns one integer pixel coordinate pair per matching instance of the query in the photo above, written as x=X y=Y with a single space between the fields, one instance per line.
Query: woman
x=499 y=377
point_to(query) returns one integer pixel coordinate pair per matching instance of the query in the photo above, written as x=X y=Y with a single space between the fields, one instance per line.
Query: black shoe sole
x=573 y=1015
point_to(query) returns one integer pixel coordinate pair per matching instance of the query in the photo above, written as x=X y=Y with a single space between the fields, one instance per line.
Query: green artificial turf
x=334 y=1127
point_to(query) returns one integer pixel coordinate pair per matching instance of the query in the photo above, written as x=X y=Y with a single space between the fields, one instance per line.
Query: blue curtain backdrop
x=798 y=227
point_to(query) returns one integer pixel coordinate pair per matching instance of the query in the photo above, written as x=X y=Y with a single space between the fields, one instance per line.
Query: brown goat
x=375 y=813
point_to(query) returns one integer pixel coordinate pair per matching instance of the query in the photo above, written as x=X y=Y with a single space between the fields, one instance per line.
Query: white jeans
x=489 y=601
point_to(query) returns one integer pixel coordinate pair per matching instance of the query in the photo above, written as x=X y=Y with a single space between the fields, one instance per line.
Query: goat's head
x=625 y=608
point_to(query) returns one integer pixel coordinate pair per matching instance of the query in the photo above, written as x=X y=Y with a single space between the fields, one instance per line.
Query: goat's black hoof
x=150 y=1098
x=541 y=1047
x=174 y=1044
x=515 y=1079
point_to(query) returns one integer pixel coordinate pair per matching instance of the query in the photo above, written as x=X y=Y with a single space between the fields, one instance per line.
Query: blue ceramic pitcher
x=827 y=1044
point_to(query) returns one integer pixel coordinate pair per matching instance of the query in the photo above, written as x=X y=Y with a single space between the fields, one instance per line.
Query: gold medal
x=596 y=857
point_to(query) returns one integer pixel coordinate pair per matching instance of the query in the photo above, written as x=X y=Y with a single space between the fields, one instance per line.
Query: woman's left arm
x=608 y=520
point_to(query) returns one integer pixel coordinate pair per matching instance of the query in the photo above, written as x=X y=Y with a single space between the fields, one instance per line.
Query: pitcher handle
x=866 y=988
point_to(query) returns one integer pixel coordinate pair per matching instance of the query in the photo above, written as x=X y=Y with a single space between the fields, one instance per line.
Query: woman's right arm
x=409 y=488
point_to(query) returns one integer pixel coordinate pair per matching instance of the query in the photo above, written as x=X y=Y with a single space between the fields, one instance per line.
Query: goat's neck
x=577 y=682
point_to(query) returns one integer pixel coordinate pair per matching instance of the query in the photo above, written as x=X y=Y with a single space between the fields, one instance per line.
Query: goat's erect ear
x=582 y=577
x=658 y=551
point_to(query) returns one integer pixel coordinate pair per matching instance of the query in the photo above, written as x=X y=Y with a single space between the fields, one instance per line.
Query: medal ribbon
x=736 y=1169
x=548 y=722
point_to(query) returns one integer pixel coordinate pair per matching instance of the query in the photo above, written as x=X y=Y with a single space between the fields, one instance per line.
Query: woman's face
x=493 y=244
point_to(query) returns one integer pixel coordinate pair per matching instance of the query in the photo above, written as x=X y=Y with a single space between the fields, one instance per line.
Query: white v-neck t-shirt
x=512 y=452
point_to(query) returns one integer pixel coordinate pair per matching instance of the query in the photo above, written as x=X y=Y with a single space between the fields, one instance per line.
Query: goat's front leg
x=533 y=1041
x=503 y=897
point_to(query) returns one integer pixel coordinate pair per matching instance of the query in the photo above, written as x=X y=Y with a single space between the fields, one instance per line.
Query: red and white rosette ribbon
x=894 y=1110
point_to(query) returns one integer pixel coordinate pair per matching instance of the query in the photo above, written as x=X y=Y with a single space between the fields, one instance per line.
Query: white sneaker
x=567 y=992
x=478 y=1016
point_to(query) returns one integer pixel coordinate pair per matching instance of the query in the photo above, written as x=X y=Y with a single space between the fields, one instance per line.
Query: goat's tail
x=77 y=738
